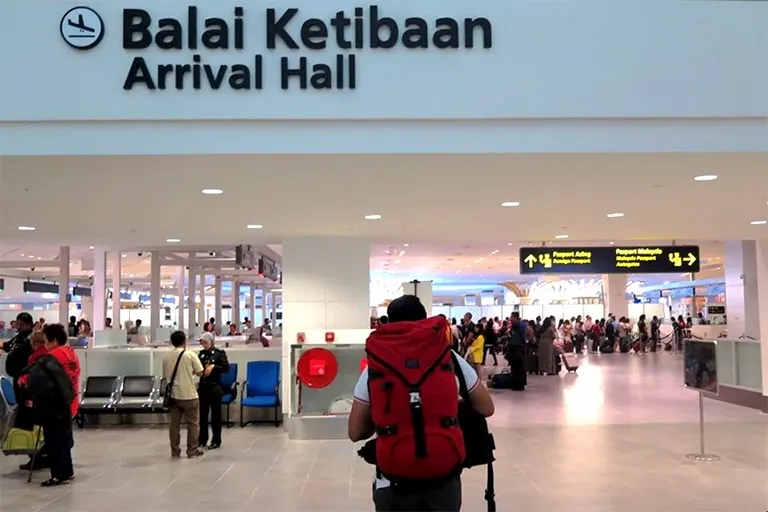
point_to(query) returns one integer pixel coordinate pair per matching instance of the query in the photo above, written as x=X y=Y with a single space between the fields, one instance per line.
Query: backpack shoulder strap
x=463 y=390
x=176 y=368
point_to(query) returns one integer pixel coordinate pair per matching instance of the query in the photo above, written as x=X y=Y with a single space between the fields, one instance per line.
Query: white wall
x=589 y=68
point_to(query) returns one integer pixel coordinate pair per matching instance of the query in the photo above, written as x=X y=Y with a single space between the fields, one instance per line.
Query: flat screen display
x=700 y=365
x=609 y=260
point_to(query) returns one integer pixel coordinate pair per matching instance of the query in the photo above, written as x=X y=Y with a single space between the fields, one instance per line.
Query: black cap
x=407 y=308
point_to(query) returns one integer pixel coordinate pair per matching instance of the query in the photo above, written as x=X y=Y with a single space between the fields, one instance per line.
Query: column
x=615 y=295
x=217 y=299
x=180 y=284
x=99 y=290
x=191 y=306
x=263 y=304
x=423 y=290
x=202 y=313
x=236 y=302
x=64 y=285
x=746 y=294
x=117 y=263
x=251 y=302
x=156 y=299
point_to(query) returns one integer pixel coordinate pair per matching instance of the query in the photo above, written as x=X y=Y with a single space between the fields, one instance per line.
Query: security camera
x=211 y=253
x=32 y=269
x=43 y=278
x=141 y=254
x=186 y=268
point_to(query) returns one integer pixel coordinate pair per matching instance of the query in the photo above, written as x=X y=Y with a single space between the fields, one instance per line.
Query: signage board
x=609 y=260
x=700 y=366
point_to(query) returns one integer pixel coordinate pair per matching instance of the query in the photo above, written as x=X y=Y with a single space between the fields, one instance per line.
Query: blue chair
x=229 y=387
x=261 y=389
x=7 y=393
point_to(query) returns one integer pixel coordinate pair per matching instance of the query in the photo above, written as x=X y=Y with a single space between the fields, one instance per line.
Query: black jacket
x=218 y=358
x=19 y=349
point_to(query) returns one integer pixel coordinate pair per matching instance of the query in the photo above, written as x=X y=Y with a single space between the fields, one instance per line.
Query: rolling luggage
x=502 y=380
x=532 y=360
x=570 y=362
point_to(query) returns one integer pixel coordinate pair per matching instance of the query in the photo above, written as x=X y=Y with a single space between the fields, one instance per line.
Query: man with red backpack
x=409 y=396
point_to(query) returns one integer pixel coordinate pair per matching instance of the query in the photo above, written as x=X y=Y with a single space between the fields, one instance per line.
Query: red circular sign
x=317 y=368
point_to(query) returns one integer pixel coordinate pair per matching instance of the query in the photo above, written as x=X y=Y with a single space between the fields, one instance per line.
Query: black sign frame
x=614 y=259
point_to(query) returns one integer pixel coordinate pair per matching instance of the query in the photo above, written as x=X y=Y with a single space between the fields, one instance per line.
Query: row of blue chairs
x=104 y=394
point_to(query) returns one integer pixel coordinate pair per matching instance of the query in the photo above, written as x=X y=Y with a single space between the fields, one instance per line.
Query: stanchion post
x=702 y=456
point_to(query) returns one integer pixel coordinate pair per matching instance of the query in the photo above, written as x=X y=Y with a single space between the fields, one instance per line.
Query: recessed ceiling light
x=90 y=247
x=611 y=243
x=173 y=240
x=759 y=222
x=123 y=255
x=26 y=228
x=560 y=237
x=510 y=204
x=212 y=191
x=372 y=217
x=406 y=245
x=22 y=255
x=478 y=260
x=254 y=226
x=30 y=256
x=493 y=253
x=39 y=257
x=706 y=177
x=509 y=244
x=615 y=215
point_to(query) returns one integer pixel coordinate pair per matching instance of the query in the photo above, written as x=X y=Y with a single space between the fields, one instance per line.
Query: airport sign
x=610 y=260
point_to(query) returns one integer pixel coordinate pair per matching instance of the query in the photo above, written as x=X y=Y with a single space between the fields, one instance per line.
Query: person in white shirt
x=180 y=367
x=360 y=427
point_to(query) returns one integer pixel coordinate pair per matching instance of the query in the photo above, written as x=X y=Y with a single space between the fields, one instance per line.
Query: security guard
x=214 y=363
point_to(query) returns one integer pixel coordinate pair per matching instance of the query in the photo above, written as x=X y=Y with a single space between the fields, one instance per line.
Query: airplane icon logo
x=82 y=28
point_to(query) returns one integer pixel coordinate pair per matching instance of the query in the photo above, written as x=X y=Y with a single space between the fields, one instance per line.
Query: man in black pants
x=214 y=363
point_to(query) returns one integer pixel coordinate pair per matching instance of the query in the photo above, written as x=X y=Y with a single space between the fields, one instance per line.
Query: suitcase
x=532 y=362
x=502 y=380
x=570 y=362
x=638 y=346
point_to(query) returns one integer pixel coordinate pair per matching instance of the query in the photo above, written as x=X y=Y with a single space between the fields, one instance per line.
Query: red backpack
x=414 y=401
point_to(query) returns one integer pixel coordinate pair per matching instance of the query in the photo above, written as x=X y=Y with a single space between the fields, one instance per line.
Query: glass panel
x=725 y=373
x=749 y=366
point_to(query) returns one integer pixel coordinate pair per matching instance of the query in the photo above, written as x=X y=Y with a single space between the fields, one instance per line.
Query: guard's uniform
x=210 y=393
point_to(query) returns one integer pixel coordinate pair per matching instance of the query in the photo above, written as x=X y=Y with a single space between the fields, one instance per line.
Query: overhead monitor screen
x=609 y=260
x=700 y=365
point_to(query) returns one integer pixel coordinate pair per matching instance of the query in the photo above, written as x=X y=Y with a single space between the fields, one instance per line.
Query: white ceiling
x=446 y=207
x=141 y=201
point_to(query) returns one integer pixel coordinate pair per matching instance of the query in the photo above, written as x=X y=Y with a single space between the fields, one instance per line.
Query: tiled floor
x=611 y=438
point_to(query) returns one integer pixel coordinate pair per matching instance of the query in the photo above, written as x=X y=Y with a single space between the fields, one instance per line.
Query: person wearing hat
x=215 y=363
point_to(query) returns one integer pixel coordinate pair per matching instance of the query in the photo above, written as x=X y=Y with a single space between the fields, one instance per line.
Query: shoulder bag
x=167 y=400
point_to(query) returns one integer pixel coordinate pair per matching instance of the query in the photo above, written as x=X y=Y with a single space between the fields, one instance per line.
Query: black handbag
x=167 y=400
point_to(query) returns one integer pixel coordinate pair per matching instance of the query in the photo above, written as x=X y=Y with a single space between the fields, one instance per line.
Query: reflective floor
x=611 y=438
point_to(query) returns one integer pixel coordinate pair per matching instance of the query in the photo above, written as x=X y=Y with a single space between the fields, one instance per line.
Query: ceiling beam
x=22 y=264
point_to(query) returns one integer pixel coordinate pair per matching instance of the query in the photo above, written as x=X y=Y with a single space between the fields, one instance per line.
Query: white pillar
x=99 y=290
x=615 y=295
x=217 y=299
x=191 y=292
x=181 y=285
x=251 y=301
x=263 y=304
x=156 y=299
x=117 y=264
x=423 y=290
x=236 y=302
x=326 y=286
x=64 y=285
x=746 y=294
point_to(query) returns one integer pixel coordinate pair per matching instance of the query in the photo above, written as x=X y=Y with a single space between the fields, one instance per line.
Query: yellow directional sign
x=647 y=259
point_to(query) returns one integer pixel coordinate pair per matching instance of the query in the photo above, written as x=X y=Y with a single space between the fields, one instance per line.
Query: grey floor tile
x=613 y=437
